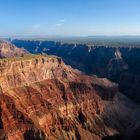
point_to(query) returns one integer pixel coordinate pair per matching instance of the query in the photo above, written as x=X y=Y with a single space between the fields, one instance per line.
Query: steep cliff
x=9 y=50
x=42 y=98
x=120 y=62
x=116 y=64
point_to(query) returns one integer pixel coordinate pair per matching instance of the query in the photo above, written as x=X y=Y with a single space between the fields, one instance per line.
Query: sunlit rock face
x=9 y=50
x=116 y=64
x=26 y=71
x=41 y=98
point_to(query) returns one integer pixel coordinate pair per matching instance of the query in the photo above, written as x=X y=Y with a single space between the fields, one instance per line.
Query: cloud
x=58 y=24
x=62 y=20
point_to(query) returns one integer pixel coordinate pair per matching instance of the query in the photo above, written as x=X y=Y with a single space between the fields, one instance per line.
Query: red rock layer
x=10 y=50
x=42 y=98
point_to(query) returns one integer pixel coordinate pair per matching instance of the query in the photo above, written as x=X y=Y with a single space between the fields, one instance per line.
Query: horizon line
x=65 y=36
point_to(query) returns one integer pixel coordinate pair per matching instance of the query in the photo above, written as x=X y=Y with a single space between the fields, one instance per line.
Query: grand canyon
x=70 y=70
x=43 y=98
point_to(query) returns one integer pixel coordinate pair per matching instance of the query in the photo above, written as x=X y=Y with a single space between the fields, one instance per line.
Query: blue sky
x=69 y=17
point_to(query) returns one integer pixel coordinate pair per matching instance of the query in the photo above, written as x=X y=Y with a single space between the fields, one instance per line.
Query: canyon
x=70 y=70
x=119 y=62
x=42 y=98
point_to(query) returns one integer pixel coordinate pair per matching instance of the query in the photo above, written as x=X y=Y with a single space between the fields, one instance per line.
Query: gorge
x=120 y=62
x=43 y=98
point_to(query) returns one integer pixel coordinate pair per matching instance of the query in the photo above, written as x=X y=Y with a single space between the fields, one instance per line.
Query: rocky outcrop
x=10 y=50
x=116 y=64
x=24 y=71
x=117 y=61
x=41 y=98
x=99 y=60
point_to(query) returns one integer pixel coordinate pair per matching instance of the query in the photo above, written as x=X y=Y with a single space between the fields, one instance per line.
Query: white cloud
x=62 y=20
x=58 y=24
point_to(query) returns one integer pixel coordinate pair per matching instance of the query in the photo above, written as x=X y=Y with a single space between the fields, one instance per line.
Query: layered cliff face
x=120 y=65
x=29 y=69
x=99 y=60
x=42 y=98
x=10 y=50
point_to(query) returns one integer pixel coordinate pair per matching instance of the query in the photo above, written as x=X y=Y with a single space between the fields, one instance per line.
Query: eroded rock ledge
x=23 y=71
x=42 y=98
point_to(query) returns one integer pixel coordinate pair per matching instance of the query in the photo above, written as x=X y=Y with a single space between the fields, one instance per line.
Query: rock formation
x=120 y=62
x=10 y=50
x=41 y=98
x=116 y=64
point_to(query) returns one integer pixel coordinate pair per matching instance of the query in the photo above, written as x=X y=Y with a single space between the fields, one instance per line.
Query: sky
x=69 y=17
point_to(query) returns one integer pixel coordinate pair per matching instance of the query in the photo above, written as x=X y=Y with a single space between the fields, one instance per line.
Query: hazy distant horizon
x=63 y=36
x=108 y=41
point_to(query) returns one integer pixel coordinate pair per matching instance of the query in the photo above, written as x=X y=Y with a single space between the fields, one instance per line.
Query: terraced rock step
x=42 y=98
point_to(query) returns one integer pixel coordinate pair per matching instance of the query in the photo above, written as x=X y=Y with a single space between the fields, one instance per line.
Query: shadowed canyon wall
x=120 y=64
x=42 y=98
